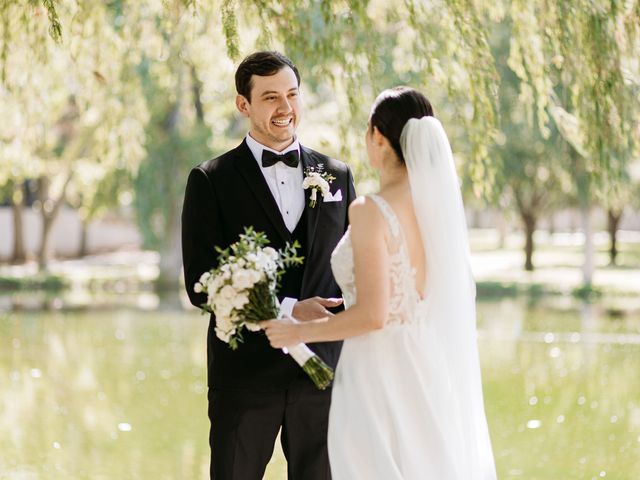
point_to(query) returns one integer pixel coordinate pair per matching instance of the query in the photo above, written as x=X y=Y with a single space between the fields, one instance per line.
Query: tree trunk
x=552 y=225
x=529 y=221
x=171 y=253
x=613 y=220
x=196 y=90
x=503 y=230
x=82 y=249
x=587 y=229
x=170 y=249
x=44 y=253
x=17 y=205
x=49 y=209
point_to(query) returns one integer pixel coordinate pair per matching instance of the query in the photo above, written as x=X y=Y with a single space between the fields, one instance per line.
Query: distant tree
x=68 y=102
x=623 y=198
x=578 y=65
x=528 y=179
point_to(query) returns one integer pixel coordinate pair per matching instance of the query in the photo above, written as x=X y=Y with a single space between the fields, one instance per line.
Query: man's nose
x=284 y=105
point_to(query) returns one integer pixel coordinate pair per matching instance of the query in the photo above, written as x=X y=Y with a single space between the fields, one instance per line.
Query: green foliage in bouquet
x=242 y=289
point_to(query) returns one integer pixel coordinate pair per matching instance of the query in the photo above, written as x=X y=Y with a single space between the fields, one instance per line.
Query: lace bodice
x=404 y=299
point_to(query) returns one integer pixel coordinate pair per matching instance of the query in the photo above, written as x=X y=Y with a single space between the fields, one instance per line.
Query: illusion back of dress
x=404 y=300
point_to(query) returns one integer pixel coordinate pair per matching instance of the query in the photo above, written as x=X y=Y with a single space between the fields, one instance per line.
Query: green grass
x=41 y=281
x=488 y=289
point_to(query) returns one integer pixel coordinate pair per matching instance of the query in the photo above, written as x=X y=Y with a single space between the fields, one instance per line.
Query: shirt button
x=282 y=183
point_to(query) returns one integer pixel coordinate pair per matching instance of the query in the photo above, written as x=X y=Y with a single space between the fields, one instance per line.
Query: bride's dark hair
x=392 y=110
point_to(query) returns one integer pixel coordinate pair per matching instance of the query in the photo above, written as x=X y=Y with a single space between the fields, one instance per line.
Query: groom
x=257 y=391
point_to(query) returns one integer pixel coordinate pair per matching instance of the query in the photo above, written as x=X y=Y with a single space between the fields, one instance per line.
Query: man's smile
x=282 y=122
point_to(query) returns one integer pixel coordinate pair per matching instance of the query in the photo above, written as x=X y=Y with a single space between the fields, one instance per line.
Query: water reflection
x=121 y=393
x=562 y=394
x=103 y=395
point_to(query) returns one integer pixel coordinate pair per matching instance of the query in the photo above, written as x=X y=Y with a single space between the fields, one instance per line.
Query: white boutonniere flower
x=317 y=179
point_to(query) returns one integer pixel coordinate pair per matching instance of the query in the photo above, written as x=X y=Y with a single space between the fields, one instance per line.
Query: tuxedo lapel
x=247 y=166
x=313 y=214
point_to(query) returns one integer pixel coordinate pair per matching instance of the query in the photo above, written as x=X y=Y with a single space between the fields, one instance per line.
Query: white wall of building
x=112 y=232
x=563 y=220
x=116 y=232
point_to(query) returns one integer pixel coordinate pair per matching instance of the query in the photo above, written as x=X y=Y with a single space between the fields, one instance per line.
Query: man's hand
x=314 y=308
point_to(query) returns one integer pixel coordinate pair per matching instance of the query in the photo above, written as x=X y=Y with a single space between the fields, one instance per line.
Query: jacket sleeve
x=351 y=194
x=201 y=231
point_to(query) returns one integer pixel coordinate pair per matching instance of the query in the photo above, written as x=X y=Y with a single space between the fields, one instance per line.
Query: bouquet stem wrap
x=319 y=372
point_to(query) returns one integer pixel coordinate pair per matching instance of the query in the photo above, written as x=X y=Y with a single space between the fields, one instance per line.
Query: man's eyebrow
x=272 y=92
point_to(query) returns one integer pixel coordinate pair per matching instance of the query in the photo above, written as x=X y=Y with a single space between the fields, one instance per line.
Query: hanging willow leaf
x=575 y=59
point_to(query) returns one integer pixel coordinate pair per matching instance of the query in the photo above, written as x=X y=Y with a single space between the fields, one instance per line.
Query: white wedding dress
x=404 y=407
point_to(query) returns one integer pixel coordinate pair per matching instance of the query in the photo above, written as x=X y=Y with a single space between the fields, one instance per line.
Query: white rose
x=262 y=261
x=240 y=301
x=311 y=180
x=216 y=283
x=314 y=179
x=242 y=280
x=227 y=292
x=225 y=322
x=255 y=276
x=224 y=329
x=222 y=322
x=197 y=288
x=222 y=307
x=271 y=253
x=266 y=263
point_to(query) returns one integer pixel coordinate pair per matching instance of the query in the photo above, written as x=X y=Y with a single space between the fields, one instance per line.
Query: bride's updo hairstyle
x=392 y=110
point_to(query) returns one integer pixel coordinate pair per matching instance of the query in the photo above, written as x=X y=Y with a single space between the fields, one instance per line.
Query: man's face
x=274 y=110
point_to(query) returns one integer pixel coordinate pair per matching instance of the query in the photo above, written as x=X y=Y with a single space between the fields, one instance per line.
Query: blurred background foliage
x=109 y=104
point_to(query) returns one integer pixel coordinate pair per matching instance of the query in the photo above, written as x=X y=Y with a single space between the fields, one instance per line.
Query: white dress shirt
x=285 y=184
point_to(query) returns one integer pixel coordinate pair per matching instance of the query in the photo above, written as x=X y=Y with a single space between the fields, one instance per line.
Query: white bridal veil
x=450 y=296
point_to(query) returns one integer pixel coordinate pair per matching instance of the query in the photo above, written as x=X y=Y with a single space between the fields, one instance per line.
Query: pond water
x=121 y=393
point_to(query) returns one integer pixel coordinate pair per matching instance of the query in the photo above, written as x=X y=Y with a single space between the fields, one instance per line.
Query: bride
x=407 y=397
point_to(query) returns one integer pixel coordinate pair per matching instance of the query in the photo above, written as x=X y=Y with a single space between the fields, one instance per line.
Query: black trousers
x=244 y=427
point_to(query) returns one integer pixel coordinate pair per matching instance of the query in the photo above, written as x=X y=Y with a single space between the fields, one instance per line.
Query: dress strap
x=389 y=215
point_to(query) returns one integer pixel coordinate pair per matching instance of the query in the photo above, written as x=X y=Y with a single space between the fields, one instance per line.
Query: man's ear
x=242 y=104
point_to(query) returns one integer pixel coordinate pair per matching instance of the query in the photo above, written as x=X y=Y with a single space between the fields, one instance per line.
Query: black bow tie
x=271 y=158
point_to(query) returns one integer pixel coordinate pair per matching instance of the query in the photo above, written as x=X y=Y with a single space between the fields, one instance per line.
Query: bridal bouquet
x=241 y=292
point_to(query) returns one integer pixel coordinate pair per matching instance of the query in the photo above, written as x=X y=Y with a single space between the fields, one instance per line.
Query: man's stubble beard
x=271 y=136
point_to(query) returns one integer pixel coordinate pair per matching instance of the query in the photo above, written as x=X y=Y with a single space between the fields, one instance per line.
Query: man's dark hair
x=263 y=64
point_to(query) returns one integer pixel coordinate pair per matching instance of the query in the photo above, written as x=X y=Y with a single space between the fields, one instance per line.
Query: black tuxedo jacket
x=227 y=194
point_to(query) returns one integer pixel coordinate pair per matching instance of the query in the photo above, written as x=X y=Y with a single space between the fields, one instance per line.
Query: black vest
x=291 y=281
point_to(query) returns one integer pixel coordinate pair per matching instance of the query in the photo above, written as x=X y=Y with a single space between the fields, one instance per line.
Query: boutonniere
x=316 y=179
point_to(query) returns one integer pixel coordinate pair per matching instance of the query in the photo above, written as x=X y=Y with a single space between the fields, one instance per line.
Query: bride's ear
x=377 y=137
